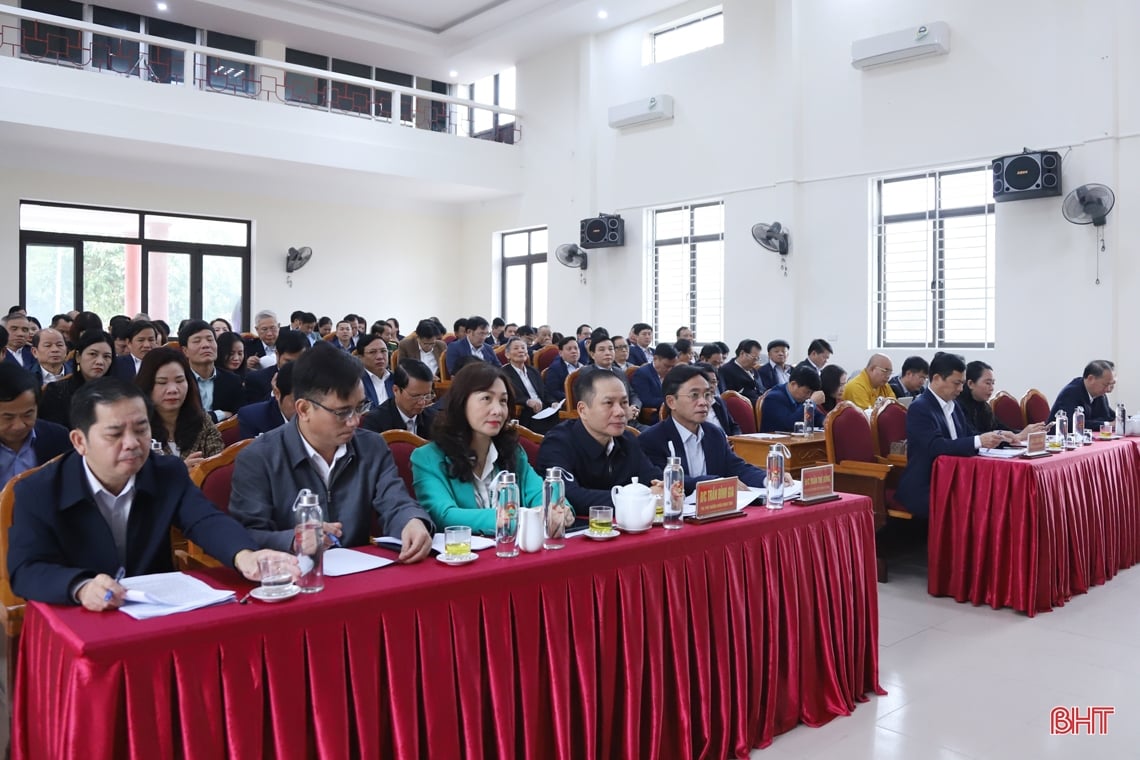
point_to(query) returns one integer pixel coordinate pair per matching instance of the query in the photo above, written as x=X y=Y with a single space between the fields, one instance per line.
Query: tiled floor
x=973 y=682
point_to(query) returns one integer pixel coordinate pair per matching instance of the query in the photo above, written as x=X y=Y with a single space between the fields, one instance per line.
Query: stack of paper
x=349 y=561
x=161 y=594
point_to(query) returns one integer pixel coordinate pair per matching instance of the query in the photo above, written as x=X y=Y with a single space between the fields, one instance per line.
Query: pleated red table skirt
x=704 y=642
x=1031 y=534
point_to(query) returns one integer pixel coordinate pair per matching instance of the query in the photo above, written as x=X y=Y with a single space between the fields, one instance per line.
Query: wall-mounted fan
x=573 y=256
x=775 y=238
x=297 y=258
x=1090 y=204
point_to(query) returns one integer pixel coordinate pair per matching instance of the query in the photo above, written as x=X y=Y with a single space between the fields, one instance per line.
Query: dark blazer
x=59 y=537
x=901 y=391
x=254 y=347
x=583 y=353
x=1074 y=395
x=370 y=389
x=410 y=349
x=30 y=363
x=768 y=376
x=807 y=363
x=51 y=441
x=978 y=413
x=123 y=367
x=637 y=354
x=736 y=378
x=647 y=385
x=526 y=416
x=38 y=371
x=927 y=438
x=589 y=472
x=780 y=412
x=258 y=384
x=255 y=419
x=457 y=349
x=387 y=417
x=55 y=403
x=555 y=382
x=229 y=393
x=727 y=423
x=720 y=460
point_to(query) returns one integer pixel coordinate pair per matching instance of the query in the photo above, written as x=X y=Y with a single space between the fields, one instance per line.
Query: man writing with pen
x=108 y=504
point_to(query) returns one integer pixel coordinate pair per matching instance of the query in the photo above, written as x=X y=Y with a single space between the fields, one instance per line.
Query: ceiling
x=423 y=37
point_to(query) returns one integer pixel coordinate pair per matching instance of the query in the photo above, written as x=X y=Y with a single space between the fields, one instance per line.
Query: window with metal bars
x=688 y=269
x=688 y=35
x=934 y=260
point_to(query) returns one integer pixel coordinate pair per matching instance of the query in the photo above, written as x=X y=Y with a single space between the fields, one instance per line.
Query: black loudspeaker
x=603 y=231
x=1027 y=175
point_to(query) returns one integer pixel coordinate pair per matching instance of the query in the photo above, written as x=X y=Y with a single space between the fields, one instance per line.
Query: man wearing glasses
x=702 y=446
x=351 y=470
x=871 y=384
x=409 y=407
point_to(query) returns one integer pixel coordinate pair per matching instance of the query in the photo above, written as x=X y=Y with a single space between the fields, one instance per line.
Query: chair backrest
x=214 y=474
x=173 y=344
x=758 y=410
x=501 y=355
x=394 y=359
x=1007 y=410
x=570 y=410
x=544 y=356
x=741 y=410
x=403 y=443
x=1034 y=407
x=888 y=425
x=230 y=431
x=848 y=435
x=530 y=441
x=11 y=606
x=449 y=338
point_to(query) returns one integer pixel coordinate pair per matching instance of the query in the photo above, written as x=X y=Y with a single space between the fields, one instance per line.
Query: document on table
x=1001 y=453
x=764 y=436
x=161 y=594
x=744 y=498
x=349 y=561
x=478 y=543
x=549 y=411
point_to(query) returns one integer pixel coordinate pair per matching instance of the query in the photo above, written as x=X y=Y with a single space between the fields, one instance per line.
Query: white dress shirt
x=324 y=469
x=948 y=412
x=116 y=510
x=484 y=480
x=694 y=452
x=18 y=356
x=428 y=358
x=531 y=392
x=378 y=384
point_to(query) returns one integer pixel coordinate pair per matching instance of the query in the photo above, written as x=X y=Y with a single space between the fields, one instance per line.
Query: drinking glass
x=457 y=541
x=276 y=579
x=798 y=429
x=601 y=519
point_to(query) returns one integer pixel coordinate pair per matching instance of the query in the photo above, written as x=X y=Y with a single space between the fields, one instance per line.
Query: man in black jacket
x=1090 y=392
x=25 y=441
x=409 y=406
x=740 y=373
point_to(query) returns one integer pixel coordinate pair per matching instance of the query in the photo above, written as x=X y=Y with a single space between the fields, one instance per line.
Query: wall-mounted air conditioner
x=916 y=42
x=644 y=111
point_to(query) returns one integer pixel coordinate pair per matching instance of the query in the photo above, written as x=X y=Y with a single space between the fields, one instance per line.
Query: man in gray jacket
x=322 y=449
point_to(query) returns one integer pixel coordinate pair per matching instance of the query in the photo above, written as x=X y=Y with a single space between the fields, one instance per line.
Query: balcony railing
x=44 y=38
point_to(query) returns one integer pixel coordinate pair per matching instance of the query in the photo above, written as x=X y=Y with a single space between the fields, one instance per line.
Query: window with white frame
x=933 y=259
x=688 y=35
x=687 y=269
x=524 y=275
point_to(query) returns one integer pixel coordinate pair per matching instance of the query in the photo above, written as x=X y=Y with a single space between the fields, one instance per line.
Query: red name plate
x=716 y=496
x=819 y=482
x=1035 y=443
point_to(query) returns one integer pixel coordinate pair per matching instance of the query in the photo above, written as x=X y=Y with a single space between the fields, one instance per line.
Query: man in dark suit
x=646 y=380
x=911 y=380
x=936 y=426
x=1090 y=392
x=50 y=351
x=408 y=408
x=372 y=350
x=255 y=419
x=25 y=441
x=566 y=362
x=604 y=356
x=719 y=415
x=583 y=335
x=221 y=392
x=474 y=343
x=819 y=351
x=265 y=344
x=289 y=347
x=108 y=505
x=739 y=373
x=783 y=406
x=142 y=337
x=426 y=345
x=529 y=391
x=776 y=371
x=19 y=349
x=640 y=338
x=702 y=446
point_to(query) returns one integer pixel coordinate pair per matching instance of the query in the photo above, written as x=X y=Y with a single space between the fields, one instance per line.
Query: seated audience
x=141 y=337
x=25 y=440
x=528 y=334
x=345 y=336
x=910 y=382
x=177 y=419
x=685 y=333
x=93 y=356
x=221 y=392
x=719 y=415
x=684 y=349
x=255 y=419
x=50 y=352
x=646 y=381
x=220 y=326
x=305 y=322
x=265 y=344
x=819 y=351
x=372 y=350
x=70 y=529
x=473 y=443
x=231 y=354
x=596 y=451
x=783 y=406
x=871 y=384
x=935 y=426
x=583 y=335
x=974 y=402
x=459 y=329
x=84 y=321
x=740 y=373
x=118 y=331
x=543 y=337
x=604 y=357
x=527 y=387
x=162 y=328
x=776 y=371
x=510 y=330
x=323 y=450
x=288 y=347
x=832 y=381
x=474 y=343
x=702 y=446
x=325 y=327
x=425 y=345
x=61 y=323
x=1090 y=392
x=19 y=350
x=559 y=369
x=621 y=353
x=640 y=338
x=497 y=327
x=395 y=323
x=408 y=408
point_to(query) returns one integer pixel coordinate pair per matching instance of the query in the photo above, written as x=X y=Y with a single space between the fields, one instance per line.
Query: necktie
x=412 y=425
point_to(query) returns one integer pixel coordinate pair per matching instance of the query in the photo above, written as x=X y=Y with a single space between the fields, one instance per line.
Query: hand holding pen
x=103 y=592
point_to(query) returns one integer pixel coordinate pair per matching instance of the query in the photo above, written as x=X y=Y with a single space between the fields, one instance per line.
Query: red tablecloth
x=1029 y=534
x=701 y=642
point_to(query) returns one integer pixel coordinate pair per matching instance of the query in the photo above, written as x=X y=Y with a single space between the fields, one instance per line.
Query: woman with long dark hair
x=94 y=352
x=472 y=442
x=833 y=379
x=231 y=354
x=177 y=419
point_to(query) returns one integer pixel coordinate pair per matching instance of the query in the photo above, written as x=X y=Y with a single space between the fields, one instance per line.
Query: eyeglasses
x=344 y=415
x=376 y=352
x=419 y=397
x=696 y=396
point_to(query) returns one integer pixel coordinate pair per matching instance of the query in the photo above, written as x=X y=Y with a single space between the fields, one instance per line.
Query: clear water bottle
x=777 y=456
x=809 y=416
x=1121 y=420
x=506 y=515
x=1062 y=425
x=554 y=509
x=309 y=541
x=1079 y=421
x=674 y=493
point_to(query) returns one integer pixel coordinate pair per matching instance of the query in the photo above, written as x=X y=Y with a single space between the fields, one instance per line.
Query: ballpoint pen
x=333 y=540
x=122 y=571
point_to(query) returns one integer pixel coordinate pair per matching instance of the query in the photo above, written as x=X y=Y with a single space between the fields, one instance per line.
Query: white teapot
x=634 y=505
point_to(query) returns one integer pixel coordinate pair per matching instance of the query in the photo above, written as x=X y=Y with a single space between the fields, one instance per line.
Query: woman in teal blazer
x=472 y=442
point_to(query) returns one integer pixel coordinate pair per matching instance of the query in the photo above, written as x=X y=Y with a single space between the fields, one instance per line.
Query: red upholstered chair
x=1034 y=407
x=741 y=410
x=229 y=430
x=530 y=441
x=1007 y=411
x=888 y=425
x=213 y=475
x=544 y=357
x=402 y=443
x=449 y=338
